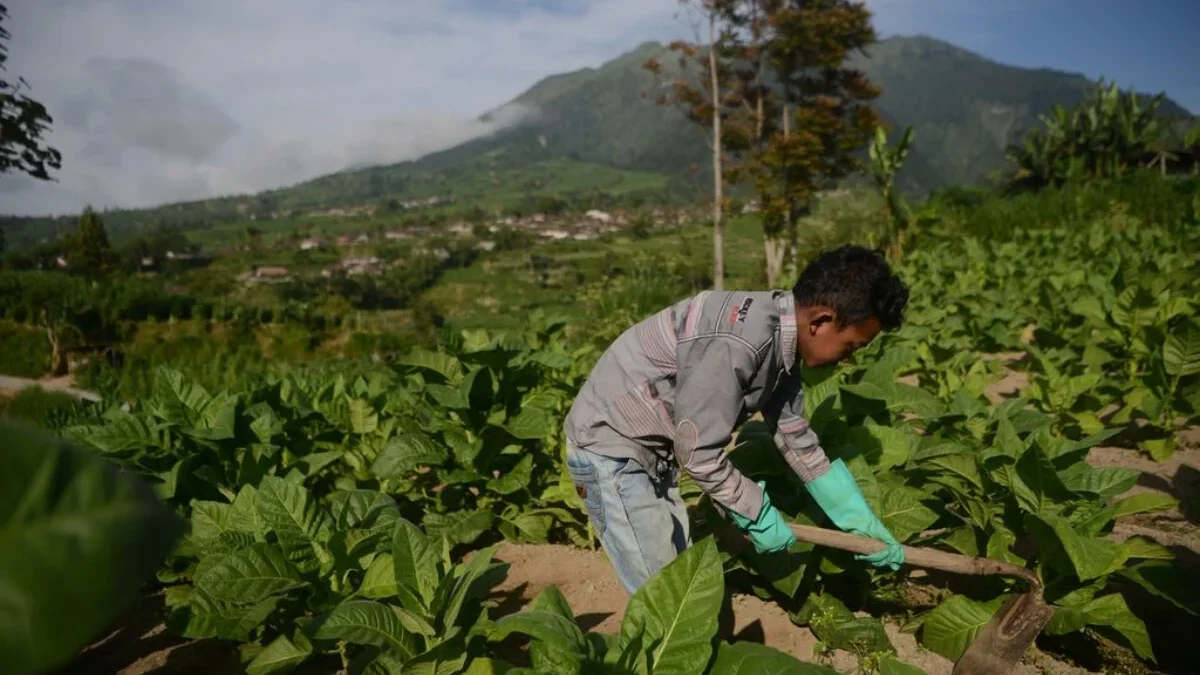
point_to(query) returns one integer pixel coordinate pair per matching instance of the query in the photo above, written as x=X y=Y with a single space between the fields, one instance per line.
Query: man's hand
x=838 y=495
x=770 y=533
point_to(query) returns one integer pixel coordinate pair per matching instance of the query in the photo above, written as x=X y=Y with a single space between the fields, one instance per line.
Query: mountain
x=965 y=108
x=590 y=127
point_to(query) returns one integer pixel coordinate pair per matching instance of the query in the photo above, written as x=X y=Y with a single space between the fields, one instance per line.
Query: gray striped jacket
x=685 y=378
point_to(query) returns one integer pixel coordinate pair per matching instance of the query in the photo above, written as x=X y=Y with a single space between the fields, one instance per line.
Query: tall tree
x=831 y=116
x=801 y=114
x=755 y=115
x=89 y=252
x=696 y=86
x=23 y=121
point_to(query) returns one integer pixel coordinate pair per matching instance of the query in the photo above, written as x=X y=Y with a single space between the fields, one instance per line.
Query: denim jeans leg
x=642 y=523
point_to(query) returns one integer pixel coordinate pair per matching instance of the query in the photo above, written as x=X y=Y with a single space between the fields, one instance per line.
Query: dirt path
x=11 y=385
x=1179 y=477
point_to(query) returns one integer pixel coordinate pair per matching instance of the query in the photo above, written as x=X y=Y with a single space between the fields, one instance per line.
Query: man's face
x=822 y=342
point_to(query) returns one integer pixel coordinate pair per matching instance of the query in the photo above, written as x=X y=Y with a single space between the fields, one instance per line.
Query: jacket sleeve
x=712 y=375
x=796 y=440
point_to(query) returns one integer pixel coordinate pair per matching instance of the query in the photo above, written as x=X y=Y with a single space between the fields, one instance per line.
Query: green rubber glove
x=770 y=533
x=838 y=495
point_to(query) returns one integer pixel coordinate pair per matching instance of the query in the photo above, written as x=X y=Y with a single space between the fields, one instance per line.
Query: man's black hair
x=856 y=283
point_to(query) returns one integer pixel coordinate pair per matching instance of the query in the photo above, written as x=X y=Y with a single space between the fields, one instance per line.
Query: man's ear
x=820 y=316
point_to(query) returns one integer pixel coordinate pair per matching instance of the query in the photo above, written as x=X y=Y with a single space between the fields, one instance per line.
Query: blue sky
x=1150 y=45
x=164 y=101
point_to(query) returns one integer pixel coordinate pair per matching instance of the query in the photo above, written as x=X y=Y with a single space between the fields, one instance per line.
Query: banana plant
x=886 y=162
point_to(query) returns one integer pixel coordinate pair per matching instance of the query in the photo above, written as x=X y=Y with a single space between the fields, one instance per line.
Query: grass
x=26 y=351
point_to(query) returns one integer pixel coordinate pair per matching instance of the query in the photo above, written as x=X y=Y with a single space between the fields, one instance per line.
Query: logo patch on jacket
x=738 y=315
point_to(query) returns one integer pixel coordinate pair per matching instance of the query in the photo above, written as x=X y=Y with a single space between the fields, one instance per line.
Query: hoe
x=1000 y=645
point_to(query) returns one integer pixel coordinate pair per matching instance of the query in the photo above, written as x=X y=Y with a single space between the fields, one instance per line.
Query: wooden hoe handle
x=920 y=557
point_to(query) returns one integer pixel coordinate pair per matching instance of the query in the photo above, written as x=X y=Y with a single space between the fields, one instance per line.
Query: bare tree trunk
x=774 y=249
x=58 y=356
x=791 y=231
x=718 y=232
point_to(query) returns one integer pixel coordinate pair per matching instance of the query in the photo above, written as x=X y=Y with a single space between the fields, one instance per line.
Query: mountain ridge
x=965 y=108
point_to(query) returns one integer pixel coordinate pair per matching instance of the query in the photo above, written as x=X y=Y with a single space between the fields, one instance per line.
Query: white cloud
x=157 y=102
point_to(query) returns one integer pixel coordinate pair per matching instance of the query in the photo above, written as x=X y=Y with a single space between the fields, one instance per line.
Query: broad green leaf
x=243 y=513
x=205 y=617
x=80 y=538
x=469 y=583
x=248 y=576
x=363 y=418
x=532 y=423
x=533 y=527
x=482 y=666
x=311 y=465
x=882 y=447
x=1143 y=548
x=952 y=626
x=176 y=400
x=379 y=581
x=439 y=362
x=444 y=658
x=1034 y=482
x=209 y=519
x=363 y=508
x=1167 y=581
x=366 y=622
x=299 y=524
x=1181 y=352
x=961 y=464
x=280 y=656
x=266 y=424
x=403 y=454
x=784 y=571
x=559 y=645
x=1104 y=483
x=1069 y=551
x=123 y=434
x=902 y=512
x=1112 y=611
x=963 y=540
x=675 y=612
x=751 y=658
x=216 y=421
x=1160 y=449
x=460 y=527
x=1006 y=442
x=451 y=397
x=552 y=600
x=413 y=622
x=465 y=447
x=999 y=547
x=938 y=448
x=416 y=572
x=838 y=628
x=517 y=478
x=1145 y=502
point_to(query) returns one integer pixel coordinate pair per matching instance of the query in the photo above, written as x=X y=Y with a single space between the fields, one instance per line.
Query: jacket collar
x=786 y=303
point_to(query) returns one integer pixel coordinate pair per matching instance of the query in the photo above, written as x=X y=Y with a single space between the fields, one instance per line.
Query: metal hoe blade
x=1003 y=641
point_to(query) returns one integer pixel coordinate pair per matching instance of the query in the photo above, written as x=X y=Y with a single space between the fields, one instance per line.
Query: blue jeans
x=642 y=522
